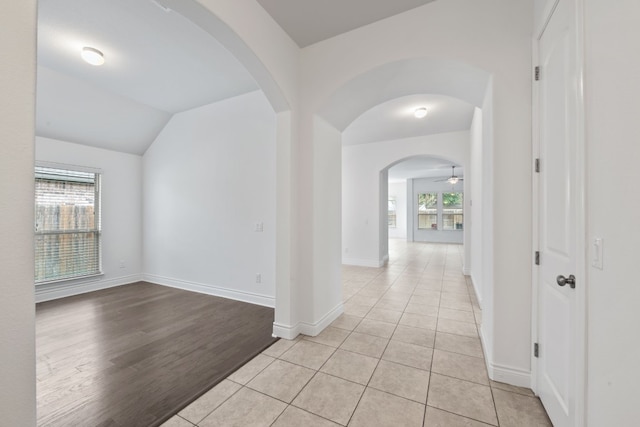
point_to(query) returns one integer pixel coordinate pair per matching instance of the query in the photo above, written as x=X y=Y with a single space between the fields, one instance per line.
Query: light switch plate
x=596 y=260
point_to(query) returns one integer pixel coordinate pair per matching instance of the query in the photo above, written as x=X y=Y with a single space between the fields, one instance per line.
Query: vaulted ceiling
x=158 y=63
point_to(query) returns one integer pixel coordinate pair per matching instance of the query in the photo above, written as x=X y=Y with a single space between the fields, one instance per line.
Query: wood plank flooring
x=136 y=354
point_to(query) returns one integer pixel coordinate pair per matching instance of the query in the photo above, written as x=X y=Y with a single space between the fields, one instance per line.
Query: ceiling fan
x=453 y=179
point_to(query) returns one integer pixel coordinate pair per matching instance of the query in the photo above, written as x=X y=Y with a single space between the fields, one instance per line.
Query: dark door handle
x=571 y=281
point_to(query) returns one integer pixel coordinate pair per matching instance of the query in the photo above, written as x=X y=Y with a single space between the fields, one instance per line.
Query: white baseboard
x=466 y=271
x=510 y=375
x=310 y=329
x=475 y=289
x=503 y=373
x=365 y=262
x=217 y=291
x=77 y=287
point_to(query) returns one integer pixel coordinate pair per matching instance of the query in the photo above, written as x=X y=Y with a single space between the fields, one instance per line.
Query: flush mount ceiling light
x=420 y=112
x=92 y=55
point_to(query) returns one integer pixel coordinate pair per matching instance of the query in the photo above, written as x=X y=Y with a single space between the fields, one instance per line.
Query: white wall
x=361 y=167
x=612 y=90
x=121 y=187
x=476 y=202
x=493 y=35
x=398 y=191
x=208 y=179
x=17 y=119
x=425 y=185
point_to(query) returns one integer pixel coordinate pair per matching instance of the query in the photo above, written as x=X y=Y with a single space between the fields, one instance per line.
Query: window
x=392 y=213
x=452 y=211
x=428 y=211
x=67 y=224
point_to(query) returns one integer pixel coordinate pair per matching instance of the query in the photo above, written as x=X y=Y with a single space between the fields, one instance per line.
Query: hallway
x=406 y=352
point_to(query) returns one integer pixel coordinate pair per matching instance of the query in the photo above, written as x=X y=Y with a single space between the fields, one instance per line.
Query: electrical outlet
x=122 y=264
x=259 y=227
x=258 y=278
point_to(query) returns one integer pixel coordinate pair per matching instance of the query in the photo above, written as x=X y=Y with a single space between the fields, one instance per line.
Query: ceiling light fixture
x=92 y=55
x=420 y=112
x=453 y=180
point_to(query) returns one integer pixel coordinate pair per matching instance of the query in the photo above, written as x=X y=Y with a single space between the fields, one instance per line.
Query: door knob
x=571 y=280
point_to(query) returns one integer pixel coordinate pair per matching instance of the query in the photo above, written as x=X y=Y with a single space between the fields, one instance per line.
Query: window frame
x=427 y=213
x=41 y=169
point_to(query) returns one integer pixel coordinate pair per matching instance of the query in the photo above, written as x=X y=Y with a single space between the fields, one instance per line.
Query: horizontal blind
x=67 y=224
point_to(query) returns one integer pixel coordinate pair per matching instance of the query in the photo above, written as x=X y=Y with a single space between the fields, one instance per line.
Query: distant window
x=67 y=224
x=428 y=211
x=452 y=211
x=392 y=213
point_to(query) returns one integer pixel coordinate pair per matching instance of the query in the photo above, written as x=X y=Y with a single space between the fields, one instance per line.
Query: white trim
x=48 y=292
x=475 y=290
x=466 y=271
x=503 y=373
x=67 y=166
x=366 y=262
x=309 y=329
x=217 y=291
x=509 y=375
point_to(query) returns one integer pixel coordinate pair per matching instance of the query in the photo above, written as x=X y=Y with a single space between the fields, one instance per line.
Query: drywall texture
x=398 y=192
x=17 y=121
x=209 y=180
x=612 y=89
x=121 y=208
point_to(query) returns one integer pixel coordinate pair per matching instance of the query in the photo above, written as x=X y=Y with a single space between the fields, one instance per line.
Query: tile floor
x=406 y=352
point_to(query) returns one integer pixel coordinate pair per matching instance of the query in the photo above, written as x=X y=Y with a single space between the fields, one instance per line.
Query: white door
x=561 y=224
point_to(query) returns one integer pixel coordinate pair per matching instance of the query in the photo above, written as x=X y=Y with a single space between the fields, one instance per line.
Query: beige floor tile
x=371 y=292
x=365 y=344
x=279 y=347
x=455 y=296
x=425 y=310
x=401 y=380
x=455 y=287
x=408 y=354
x=356 y=310
x=295 y=417
x=209 y=401
x=513 y=389
x=346 y=322
x=460 y=366
x=462 y=397
x=246 y=408
x=362 y=300
x=391 y=305
x=437 y=418
x=458 y=328
x=331 y=336
x=308 y=354
x=282 y=380
x=419 y=321
x=424 y=292
x=330 y=397
x=459 y=315
x=376 y=328
x=426 y=300
x=390 y=296
x=251 y=369
x=383 y=315
x=417 y=336
x=456 y=305
x=434 y=284
x=176 y=421
x=516 y=410
x=351 y=366
x=379 y=409
x=469 y=346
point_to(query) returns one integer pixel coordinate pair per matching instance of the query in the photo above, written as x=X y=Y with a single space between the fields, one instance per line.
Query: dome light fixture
x=92 y=55
x=420 y=112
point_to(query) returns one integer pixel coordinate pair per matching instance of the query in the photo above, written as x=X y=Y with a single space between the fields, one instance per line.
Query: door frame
x=580 y=364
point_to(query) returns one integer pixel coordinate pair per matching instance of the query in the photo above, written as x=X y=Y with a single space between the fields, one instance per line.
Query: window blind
x=67 y=224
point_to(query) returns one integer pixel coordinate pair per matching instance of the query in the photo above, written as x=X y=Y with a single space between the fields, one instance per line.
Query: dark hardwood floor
x=136 y=354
